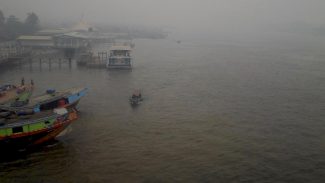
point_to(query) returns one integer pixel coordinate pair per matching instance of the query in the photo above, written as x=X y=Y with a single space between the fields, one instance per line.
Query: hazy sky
x=209 y=15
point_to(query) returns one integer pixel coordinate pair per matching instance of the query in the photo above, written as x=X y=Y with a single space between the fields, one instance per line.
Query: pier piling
x=50 y=64
x=70 y=62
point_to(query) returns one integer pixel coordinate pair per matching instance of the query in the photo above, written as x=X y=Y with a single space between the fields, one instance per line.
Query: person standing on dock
x=23 y=81
x=32 y=83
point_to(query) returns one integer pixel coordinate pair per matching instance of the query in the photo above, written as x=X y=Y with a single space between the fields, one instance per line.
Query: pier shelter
x=73 y=40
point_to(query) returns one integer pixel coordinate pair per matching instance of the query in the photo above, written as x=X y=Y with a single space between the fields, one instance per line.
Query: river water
x=213 y=111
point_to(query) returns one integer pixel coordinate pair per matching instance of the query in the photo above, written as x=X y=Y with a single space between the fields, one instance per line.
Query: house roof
x=74 y=35
x=52 y=31
x=39 y=38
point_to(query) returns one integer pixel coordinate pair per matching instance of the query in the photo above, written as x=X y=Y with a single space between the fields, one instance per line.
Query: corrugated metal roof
x=52 y=31
x=74 y=35
x=45 y=38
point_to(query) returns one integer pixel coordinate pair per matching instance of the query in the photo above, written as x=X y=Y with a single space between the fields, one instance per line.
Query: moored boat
x=29 y=130
x=119 y=57
x=50 y=100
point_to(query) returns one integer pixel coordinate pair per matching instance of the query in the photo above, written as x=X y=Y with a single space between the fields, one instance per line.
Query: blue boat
x=50 y=100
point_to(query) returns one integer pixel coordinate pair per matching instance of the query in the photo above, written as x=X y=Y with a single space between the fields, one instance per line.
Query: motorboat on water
x=136 y=98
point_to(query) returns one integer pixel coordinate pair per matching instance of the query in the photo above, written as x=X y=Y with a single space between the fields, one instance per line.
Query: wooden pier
x=90 y=60
x=50 y=63
x=10 y=52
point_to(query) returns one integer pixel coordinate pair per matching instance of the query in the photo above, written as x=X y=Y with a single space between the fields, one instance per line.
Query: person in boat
x=136 y=94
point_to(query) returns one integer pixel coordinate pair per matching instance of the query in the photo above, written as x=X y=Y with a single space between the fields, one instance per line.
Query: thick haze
x=199 y=16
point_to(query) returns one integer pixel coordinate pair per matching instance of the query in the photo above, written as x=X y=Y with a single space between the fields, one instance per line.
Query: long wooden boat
x=18 y=132
x=48 y=101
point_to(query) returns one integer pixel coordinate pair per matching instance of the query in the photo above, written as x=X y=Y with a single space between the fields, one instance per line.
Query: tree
x=2 y=20
x=31 y=23
x=13 y=27
x=2 y=26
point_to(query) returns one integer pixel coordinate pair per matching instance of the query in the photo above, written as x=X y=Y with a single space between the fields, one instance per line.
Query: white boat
x=119 y=57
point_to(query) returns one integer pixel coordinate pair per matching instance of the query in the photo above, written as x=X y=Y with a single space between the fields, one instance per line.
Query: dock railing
x=11 y=49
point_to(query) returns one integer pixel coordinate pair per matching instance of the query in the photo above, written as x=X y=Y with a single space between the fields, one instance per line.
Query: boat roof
x=45 y=98
x=77 y=35
x=35 y=38
x=29 y=119
x=116 y=48
x=56 y=95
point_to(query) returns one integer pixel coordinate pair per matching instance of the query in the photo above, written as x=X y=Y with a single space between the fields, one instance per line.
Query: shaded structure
x=73 y=40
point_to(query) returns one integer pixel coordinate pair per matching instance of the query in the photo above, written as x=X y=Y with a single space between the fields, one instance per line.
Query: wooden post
x=30 y=64
x=19 y=62
x=40 y=64
x=50 y=64
x=59 y=63
x=70 y=63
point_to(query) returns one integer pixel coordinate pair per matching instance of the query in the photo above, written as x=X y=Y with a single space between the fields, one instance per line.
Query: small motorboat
x=136 y=98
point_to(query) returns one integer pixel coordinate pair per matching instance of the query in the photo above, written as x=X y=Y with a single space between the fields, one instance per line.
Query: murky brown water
x=213 y=112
